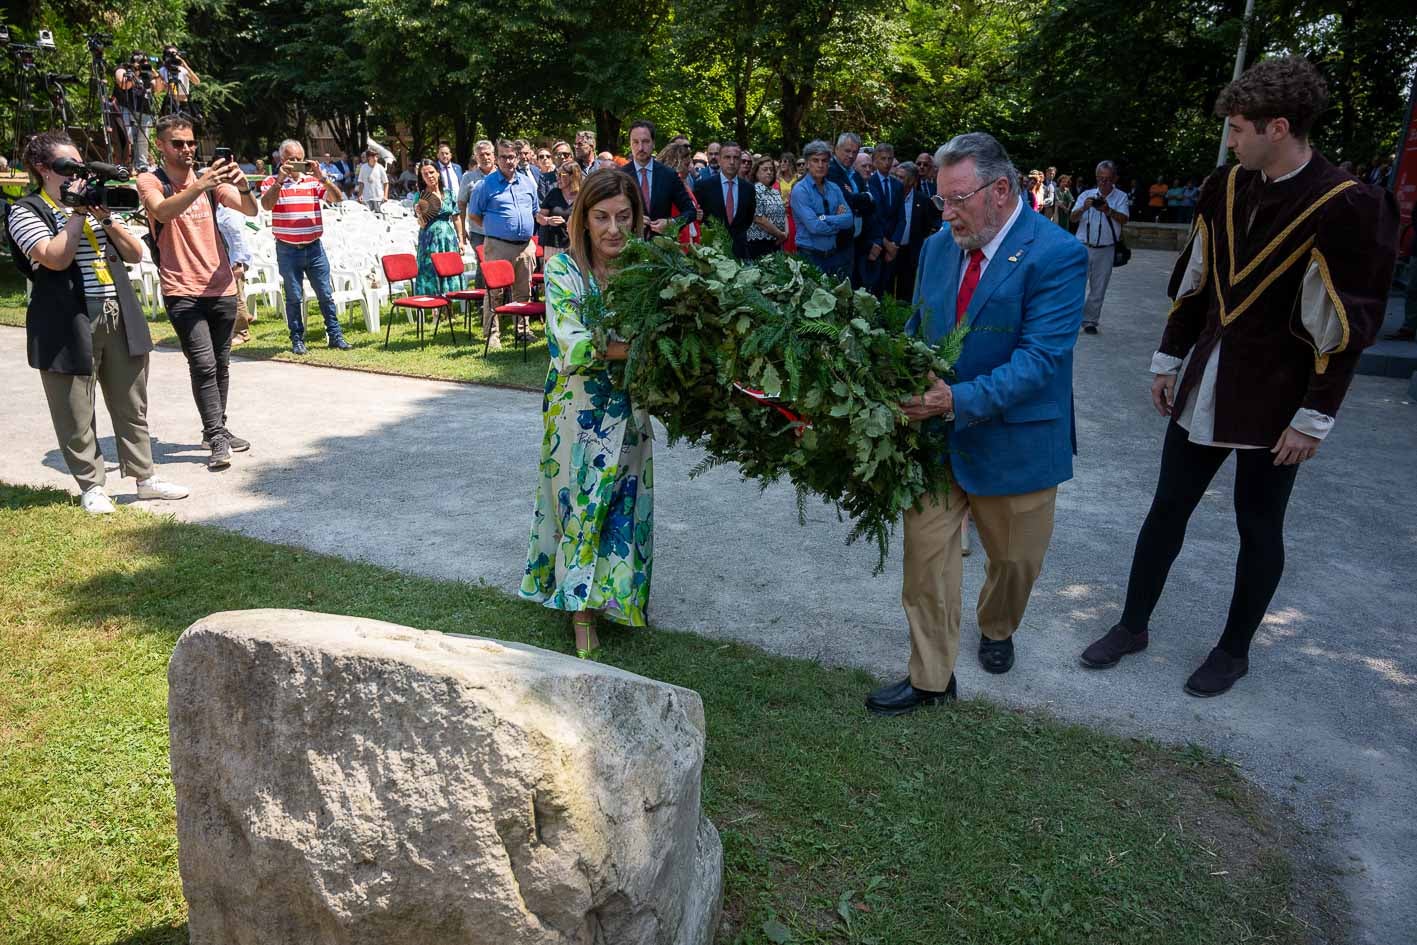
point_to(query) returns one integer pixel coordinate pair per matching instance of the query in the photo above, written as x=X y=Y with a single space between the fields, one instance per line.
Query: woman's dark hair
x=418 y=175
x=758 y=162
x=41 y=148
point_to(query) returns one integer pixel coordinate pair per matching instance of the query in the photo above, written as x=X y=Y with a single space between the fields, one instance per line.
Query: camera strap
x=100 y=264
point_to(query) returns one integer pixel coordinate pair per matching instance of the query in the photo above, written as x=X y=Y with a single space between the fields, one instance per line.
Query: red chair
x=538 y=281
x=403 y=267
x=451 y=264
x=499 y=275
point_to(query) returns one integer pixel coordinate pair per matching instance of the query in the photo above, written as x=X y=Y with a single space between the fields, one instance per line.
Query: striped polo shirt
x=296 y=217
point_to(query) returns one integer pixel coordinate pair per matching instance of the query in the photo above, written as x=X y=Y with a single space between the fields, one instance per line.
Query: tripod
x=101 y=106
x=24 y=104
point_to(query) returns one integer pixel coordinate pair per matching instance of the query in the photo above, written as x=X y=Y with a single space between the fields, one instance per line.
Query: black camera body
x=172 y=59
x=97 y=190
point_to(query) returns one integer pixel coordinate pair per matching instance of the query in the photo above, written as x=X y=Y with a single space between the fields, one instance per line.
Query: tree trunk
x=415 y=130
x=607 y=131
x=793 y=112
x=462 y=139
x=1345 y=89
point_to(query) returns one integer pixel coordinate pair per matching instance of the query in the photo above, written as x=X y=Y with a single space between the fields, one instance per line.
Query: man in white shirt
x=373 y=181
x=1099 y=216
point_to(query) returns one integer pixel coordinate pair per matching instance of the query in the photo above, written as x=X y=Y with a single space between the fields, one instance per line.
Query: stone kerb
x=351 y=781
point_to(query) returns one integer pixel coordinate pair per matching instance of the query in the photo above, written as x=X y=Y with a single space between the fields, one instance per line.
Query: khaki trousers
x=71 y=398
x=243 y=314
x=523 y=260
x=1014 y=530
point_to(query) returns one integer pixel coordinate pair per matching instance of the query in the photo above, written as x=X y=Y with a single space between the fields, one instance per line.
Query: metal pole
x=1239 y=68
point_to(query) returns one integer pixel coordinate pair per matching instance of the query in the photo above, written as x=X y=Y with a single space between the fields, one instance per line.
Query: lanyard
x=100 y=265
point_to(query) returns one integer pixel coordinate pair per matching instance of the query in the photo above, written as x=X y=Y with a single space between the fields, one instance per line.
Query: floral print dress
x=592 y=527
x=437 y=237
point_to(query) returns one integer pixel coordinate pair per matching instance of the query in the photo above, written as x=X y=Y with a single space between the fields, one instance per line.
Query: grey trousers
x=72 y=405
x=1099 y=273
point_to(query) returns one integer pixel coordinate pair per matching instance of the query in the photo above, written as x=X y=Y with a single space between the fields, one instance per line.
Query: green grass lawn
x=439 y=359
x=962 y=824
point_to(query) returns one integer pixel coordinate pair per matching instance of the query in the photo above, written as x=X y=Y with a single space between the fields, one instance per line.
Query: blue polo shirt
x=507 y=207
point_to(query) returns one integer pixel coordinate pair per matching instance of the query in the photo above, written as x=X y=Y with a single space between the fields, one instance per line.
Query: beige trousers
x=1014 y=530
x=523 y=260
x=71 y=398
x=243 y=314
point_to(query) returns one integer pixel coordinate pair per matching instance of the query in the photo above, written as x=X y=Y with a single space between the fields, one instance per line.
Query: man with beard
x=1017 y=282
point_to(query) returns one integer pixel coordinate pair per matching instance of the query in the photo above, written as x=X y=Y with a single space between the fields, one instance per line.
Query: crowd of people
x=1022 y=260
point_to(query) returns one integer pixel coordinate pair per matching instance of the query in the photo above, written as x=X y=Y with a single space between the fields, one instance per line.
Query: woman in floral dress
x=592 y=528
x=435 y=211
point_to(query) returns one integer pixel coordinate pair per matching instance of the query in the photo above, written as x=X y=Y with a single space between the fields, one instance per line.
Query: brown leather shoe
x=1117 y=643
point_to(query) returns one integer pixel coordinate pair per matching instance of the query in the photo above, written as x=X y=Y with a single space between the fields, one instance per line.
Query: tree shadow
x=163 y=935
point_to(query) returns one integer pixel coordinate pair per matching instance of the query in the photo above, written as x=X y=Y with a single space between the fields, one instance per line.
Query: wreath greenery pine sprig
x=708 y=332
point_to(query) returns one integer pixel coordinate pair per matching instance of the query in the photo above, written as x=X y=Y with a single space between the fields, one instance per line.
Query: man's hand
x=556 y=220
x=288 y=171
x=875 y=253
x=891 y=250
x=318 y=170
x=1163 y=393
x=657 y=226
x=937 y=401
x=1294 y=447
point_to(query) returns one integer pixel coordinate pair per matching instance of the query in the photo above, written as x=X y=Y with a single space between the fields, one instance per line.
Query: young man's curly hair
x=1289 y=87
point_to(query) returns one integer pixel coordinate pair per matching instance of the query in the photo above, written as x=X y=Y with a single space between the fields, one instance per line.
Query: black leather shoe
x=1115 y=644
x=902 y=697
x=339 y=344
x=1217 y=674
x=996 y=656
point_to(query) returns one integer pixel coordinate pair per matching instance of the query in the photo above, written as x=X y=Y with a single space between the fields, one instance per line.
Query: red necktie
x=728 y=201
x=644 y=187
x=970 y=283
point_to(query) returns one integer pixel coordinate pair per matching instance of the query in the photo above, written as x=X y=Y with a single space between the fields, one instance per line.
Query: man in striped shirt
x=293 y=196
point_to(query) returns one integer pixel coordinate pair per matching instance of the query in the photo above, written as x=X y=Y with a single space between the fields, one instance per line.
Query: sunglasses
x=181 y=144
x=543 y=156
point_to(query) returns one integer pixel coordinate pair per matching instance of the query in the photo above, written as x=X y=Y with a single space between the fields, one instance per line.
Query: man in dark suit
x=659 y=185
x=858 y=199
x=728 y=198
x=449 y=170
x=925 y=174
x=918 y=220
x=888 y=196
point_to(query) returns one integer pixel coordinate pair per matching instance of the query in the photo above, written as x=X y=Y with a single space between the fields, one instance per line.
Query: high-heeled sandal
x=585 y=627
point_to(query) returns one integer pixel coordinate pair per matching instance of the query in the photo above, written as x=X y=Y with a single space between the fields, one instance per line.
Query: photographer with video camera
x=177 y=79
x=133 y=88
x=195 y=268
x=84 y=326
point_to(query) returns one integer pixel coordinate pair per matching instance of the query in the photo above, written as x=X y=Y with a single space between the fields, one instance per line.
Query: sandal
x=587 y=643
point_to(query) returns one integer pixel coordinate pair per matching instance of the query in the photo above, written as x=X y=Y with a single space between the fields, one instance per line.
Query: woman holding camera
x=84 y=327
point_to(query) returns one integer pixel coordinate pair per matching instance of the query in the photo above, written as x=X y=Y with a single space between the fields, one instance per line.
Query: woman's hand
x=616 y=350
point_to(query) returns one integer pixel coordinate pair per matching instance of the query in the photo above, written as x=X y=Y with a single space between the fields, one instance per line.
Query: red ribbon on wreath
x=794 y=418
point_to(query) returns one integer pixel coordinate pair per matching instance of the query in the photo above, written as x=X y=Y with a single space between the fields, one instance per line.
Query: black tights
x=1261 y=496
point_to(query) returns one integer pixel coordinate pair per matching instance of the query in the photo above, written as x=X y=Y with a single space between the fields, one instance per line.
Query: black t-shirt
x=555 y=204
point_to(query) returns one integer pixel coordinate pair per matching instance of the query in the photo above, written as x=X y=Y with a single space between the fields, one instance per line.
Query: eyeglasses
x=563 y=155
x=958 y=200
x=701 y=163
x=544 y=156
x=181 y=144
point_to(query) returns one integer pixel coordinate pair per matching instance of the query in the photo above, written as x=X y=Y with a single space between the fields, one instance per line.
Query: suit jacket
x=858 y=198
x=666 y=191
x=457 y=174
x=745 y=206
x=924 y=221
x=1013 y=430
x=889 y=215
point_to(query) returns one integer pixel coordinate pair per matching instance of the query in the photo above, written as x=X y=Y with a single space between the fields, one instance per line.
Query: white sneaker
x=155 y=488
x=96 y=502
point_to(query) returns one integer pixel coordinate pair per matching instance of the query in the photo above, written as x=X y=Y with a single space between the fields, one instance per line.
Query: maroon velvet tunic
x=1259 y=239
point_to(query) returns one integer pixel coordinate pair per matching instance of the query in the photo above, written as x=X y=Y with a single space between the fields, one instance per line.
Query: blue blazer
x=1013 y=430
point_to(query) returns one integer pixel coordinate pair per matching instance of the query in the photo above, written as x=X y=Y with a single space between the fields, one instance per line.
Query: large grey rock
x=342 y=780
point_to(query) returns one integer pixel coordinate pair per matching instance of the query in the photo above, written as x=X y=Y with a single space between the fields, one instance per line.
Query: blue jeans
x=297 y=263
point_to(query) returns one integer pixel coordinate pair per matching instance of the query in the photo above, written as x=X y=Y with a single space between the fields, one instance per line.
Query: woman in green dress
x=435 y=211
x=592 y=528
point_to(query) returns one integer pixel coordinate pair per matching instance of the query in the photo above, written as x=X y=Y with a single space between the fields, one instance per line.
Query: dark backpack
x=155 y=228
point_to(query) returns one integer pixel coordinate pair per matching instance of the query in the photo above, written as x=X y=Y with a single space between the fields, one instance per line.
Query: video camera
x=172 y=58
x=97 y=191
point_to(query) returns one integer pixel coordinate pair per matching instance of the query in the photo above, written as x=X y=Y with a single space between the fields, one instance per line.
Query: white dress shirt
x=1319 y=317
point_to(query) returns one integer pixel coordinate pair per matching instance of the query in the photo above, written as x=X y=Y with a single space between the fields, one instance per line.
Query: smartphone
x=302 y=166
x=221 y=154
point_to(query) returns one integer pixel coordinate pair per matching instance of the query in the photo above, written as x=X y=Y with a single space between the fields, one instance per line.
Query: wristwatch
x=106 y=221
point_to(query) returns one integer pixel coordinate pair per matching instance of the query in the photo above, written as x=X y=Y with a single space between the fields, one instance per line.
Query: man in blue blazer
x=449 y=170
x=1018 y=282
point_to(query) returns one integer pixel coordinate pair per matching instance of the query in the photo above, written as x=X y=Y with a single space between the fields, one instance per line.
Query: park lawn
x=439 y=359
x=964 y=824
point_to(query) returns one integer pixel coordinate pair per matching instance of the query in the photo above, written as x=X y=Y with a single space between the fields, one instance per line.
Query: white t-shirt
x=374 y=181
x=1093 y=228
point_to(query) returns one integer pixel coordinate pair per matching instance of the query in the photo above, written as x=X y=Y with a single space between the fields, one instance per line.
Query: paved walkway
x=435 y=478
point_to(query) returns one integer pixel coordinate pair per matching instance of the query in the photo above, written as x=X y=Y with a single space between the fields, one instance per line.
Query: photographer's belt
x=100 y=265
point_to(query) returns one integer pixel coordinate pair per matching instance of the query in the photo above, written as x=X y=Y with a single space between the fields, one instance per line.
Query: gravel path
x=435 y=478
